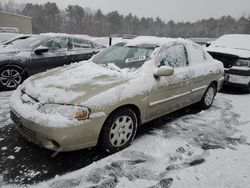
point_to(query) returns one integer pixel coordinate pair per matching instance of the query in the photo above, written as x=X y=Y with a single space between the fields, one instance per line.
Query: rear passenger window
x=197 y=54
x=175 y=57
x=81 y=43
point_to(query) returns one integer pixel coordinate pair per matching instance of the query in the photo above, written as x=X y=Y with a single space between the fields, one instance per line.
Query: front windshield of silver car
x=123 y=56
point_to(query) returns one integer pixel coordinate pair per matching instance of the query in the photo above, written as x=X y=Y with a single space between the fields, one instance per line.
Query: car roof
x=153 y=41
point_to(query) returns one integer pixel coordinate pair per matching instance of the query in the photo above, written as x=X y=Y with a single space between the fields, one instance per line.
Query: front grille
x=238 y=72
x=26 y=98
x=29 y=134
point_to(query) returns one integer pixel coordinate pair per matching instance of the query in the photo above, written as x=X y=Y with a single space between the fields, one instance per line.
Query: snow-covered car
x=105 y=100
x=39 y=53
x=234 y=51
x=15 y=39
x=7 y=36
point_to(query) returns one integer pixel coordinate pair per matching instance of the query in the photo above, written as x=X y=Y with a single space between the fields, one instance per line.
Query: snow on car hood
x=74 y=83
x=4 y=50
x=234 y=44
x=231 y=51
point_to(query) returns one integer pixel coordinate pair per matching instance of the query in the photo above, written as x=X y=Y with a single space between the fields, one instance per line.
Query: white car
x=234 y=51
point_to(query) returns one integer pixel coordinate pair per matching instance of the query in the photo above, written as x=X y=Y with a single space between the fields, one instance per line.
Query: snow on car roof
x=66 y=35
x=236 y=41
x=158 y=41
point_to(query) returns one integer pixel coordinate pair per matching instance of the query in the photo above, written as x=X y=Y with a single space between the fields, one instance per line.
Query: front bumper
x=51 y=131
x=237 y=76
x=60 y=138
x=232 y=79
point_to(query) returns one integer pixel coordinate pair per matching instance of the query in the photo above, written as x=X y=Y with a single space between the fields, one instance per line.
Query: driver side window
x=56 y=43
x=175 y=57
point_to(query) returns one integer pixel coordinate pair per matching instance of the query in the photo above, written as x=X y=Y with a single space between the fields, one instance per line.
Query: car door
x=170 y=92
x=202 y=73
x=56 y=56
x=81 y=50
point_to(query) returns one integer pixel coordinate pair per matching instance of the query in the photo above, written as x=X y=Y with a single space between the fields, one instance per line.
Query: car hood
x=242 y=53
x=73 y=84
x=8 y=51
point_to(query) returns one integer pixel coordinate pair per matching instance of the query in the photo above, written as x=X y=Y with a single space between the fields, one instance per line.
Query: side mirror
x=164 y=71
x=41 y=49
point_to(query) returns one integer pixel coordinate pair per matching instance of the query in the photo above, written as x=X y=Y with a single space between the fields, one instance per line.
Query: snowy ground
x=188 y=149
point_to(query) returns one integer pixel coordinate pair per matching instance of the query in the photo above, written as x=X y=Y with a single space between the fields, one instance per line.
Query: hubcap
x=10 y=78
x=121 y=131
x=209 y=96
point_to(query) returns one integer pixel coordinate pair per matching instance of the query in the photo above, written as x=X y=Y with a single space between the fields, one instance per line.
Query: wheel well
x=18 y=66
x=133 y=107
x=215 y=84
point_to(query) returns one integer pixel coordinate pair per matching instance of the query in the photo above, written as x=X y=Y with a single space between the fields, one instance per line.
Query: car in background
x=105 y=100
x=39 y=53
x=234 y=51
x=9 y=30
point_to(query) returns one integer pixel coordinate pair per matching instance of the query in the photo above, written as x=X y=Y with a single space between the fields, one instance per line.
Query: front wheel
x=208 y=97
x=11 y=77
x=119 y=130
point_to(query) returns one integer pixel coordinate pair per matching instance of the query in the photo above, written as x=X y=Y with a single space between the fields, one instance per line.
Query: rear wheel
x=11 y=77
x=208 y=98
x=119 y=130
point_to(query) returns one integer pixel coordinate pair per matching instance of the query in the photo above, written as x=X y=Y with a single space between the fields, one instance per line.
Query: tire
x=118 y=130
x=208 y=97
x=11 y=77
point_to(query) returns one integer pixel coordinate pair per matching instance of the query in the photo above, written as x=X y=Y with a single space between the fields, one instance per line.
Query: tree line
x=78 y=20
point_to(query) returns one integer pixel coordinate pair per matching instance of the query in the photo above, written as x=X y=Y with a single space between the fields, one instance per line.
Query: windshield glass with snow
x=124 y=56
x=28 y=43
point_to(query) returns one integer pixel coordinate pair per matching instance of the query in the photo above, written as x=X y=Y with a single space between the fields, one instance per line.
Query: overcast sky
x=177 y=10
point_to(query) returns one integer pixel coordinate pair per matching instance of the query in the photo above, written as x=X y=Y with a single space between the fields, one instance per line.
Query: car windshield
x=28 y=43
x=124 y=56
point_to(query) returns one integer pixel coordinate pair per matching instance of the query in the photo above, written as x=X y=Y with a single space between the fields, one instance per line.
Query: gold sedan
x=105 y=100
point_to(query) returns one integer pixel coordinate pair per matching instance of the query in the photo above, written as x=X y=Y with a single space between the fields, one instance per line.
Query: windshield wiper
x=111 y=66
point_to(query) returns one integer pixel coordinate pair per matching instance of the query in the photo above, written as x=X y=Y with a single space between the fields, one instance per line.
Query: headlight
x=243 y=62
x=70 y=111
